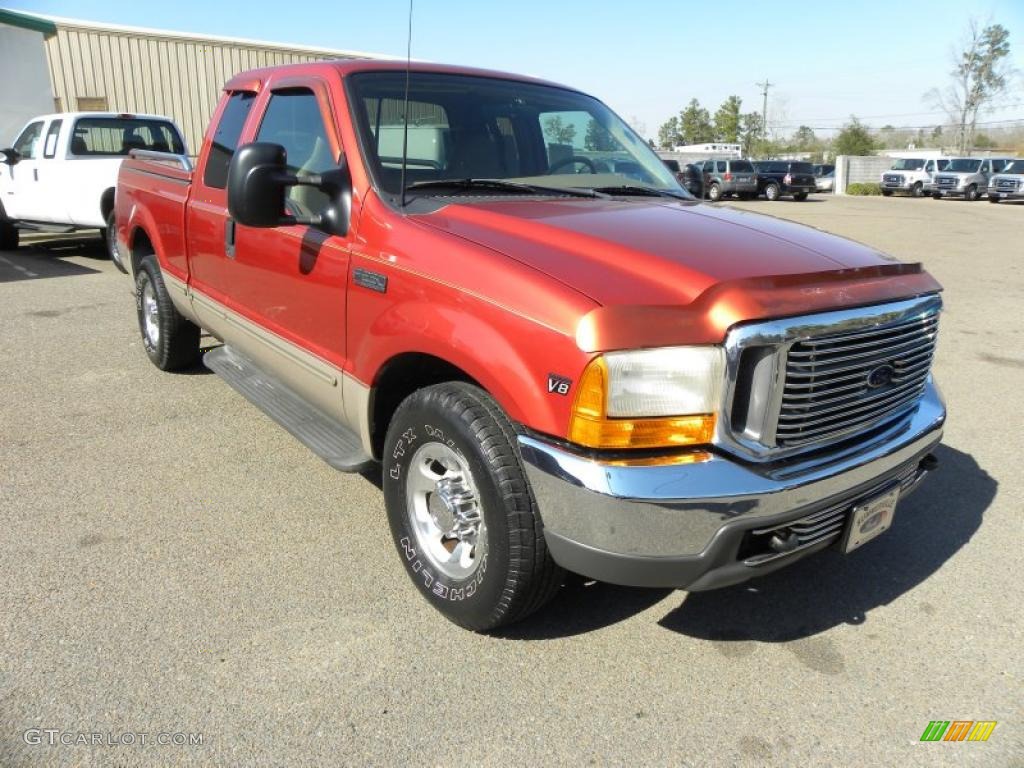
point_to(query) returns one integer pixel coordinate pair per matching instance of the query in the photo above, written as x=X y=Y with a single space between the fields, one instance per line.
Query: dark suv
x=724 y=178
x=776 y=178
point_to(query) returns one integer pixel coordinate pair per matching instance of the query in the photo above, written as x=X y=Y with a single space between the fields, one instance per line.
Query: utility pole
x=764 y=106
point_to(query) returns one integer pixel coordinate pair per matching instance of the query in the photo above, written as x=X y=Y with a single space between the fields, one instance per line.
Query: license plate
x=870 y=518
x=742 y=178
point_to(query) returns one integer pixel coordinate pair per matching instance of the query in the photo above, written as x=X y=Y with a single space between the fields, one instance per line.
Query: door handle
x=35 y=174
x=229 y=238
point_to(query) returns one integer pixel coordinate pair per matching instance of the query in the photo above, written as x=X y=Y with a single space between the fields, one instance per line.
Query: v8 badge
x=558 y=385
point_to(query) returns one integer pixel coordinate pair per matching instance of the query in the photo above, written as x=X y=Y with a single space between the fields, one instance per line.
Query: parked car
x=554 y=369
x=823 y=170
x=778 y=178
x=826 y=181
x=1008 y=184
x=690 y=176
x=60 y=173
x=967 y=177
x=911 y=175
x=725 y=178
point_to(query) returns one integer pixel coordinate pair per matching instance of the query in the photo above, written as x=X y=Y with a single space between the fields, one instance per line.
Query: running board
x=332 y=441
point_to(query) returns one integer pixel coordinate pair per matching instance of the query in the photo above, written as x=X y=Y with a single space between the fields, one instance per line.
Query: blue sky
x=645 y=59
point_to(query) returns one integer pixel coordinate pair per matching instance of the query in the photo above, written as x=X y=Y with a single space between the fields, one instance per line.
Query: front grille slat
x=829 y=390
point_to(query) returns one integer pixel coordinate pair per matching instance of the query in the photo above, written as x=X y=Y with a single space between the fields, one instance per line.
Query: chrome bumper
x=681 y=525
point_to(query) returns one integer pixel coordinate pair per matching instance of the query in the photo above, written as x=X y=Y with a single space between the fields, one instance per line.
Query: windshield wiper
x=639 y=191
x=500 y=184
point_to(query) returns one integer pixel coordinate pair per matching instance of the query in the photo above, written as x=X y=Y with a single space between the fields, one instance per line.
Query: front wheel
x=461 y=511
x=936 y=195
x=971 y=194
x=917 y=190
x=771 y=192
x=110 y=239
x=886 y=193
x=171 y=341
x=993 y=198
x=800 y=196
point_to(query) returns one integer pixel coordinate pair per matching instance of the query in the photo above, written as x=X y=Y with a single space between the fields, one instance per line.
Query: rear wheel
x=917 y=190
x=971 y=194
x=110 y=238
x=714 y=193
x=461 y=511
x=772 y=191
x=8 y=236
x=171 y=341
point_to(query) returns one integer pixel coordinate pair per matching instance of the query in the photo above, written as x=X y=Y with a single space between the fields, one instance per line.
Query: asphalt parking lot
x=174 y=563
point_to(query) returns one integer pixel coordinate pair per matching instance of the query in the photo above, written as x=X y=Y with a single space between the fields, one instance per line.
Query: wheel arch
x=107 y=202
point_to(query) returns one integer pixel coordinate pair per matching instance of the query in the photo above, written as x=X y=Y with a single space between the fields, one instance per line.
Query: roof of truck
x=253 y=78
x=116 y=115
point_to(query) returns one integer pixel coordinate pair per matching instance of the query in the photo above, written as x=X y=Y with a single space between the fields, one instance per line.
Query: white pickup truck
x=61 y=172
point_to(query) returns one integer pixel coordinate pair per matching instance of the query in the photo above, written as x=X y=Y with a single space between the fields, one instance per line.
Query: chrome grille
x=847 y=382
x=946 y=182
x=892 y=178
x=1007 y=185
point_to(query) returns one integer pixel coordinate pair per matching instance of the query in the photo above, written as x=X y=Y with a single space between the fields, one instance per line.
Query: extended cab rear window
x=107 y=136
x=802 y=168
x=225 y=138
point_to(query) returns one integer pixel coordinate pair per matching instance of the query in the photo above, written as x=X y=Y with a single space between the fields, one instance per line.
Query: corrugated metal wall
x=150 y=72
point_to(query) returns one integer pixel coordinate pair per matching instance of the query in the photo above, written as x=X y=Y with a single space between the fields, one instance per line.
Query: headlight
x=651 y=398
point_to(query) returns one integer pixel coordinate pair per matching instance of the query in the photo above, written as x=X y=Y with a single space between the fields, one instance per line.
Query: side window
x=998 y=165
x=294 y=121
x=225 y=138
x=50 y=145
x=929 y=166
x=27 y=144
x=721 y=166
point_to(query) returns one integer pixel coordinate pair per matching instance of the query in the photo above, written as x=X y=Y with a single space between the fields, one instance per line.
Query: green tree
x=668 y=133
x=981 y=73
x=804 y=139
x=598 y=139
x=557 y=131
x=727 y=120
x=854 y=139
x=695 y=124
x=751 y=128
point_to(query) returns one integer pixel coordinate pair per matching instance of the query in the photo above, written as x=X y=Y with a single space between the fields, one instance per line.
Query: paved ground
x=173 y=562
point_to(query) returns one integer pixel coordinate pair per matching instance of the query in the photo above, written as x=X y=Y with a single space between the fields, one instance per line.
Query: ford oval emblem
x=880 y=376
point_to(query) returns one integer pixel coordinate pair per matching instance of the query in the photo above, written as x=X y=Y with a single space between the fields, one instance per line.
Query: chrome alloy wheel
x=444 y=509
x=150 y=313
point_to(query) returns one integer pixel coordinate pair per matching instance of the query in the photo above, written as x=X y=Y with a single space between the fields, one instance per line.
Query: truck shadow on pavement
x=811 y=596
x=42 y=259
x=829 y=589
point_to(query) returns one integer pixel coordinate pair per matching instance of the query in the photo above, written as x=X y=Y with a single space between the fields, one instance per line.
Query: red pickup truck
x=492 y=288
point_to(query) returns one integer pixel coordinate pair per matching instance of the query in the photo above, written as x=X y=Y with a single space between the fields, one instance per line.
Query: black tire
x=800 y=196
x=772 y=191
x=175 y=342
x=714 y=193
x=514 y=574
x=971 y=193
x=8 y=236
x=993 y=199
x=110 y=240
x=886 y=193
x=936 y=195
x=917 y=190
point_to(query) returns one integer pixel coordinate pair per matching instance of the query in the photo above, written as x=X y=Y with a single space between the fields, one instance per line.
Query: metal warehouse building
x=104 y=67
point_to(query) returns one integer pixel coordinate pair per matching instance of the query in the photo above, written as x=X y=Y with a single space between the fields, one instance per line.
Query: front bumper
x=690 y=525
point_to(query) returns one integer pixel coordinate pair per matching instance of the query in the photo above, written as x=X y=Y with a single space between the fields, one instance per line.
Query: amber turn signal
x=590 y=426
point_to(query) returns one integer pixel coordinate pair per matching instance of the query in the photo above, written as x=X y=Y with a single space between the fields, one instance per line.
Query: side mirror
x=258 y=178
x=11 y=156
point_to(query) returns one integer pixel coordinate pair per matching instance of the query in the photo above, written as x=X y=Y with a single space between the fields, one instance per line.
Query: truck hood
x=649 y=251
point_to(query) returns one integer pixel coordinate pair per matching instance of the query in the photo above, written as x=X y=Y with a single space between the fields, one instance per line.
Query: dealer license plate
x=871 y=518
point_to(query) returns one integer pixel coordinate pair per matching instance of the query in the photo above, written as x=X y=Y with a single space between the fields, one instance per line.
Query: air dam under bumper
x=691 y=525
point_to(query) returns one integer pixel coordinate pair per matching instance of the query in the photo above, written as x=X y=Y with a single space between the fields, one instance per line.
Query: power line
x=764 y=105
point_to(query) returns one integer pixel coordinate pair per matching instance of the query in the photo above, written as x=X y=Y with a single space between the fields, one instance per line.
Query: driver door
x=21 y=178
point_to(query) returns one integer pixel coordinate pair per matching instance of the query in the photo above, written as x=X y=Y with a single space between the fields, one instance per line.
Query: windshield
x=469 y=127
x=105 y=136
x=963 y=165
x=904 y=164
